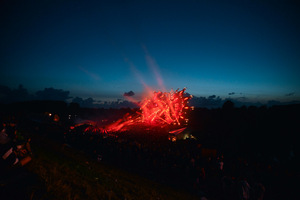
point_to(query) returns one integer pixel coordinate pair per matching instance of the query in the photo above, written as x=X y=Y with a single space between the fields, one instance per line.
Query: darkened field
x=256 y=145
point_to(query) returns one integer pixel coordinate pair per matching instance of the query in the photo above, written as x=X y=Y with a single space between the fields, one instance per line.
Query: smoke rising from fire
x=154 y=67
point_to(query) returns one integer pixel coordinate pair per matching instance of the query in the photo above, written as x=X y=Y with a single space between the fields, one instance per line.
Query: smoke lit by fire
x=160 y=109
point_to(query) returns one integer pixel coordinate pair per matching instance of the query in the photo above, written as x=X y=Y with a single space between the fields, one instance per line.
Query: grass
x=66 y=173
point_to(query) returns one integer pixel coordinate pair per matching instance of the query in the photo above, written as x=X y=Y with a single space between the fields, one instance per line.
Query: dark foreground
x=244 y=153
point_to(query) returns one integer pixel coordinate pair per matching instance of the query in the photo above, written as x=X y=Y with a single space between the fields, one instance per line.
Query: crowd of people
x=15 y=150
x=15 y=153
x=184 y=164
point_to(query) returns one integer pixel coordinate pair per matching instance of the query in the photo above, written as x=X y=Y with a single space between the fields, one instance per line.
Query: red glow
x=164 y=108
x=161 y=109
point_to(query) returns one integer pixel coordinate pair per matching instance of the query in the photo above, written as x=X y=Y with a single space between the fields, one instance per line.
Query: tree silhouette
x=228 y=105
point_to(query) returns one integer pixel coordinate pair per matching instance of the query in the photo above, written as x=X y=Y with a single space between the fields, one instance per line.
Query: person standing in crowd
x=13 y=151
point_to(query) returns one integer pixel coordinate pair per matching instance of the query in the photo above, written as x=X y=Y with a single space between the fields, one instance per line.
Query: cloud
x=231 y=93
x=128 y=94
x=212 y=101
x=242 y=98
x=290 y=94
x=86 y=103
x=212 y=97
x=8 y=95
x=52 y=94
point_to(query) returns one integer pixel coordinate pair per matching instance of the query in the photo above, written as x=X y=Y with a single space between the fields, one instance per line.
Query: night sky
x=102 y=49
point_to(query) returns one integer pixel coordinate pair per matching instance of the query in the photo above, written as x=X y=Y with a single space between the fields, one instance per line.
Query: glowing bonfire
x=159 y=110
x=165 y=108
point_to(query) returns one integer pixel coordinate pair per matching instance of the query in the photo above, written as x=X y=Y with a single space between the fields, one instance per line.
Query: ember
x=161 y=109
x=165 y=108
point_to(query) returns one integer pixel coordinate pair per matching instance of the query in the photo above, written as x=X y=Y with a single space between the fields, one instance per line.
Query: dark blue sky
x=101 y=49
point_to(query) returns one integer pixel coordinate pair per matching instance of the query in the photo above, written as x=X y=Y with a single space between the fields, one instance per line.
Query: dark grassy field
x=59 y=172
x=258 y=144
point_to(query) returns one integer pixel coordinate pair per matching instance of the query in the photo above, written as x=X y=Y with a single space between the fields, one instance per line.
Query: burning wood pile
x=161 y=109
